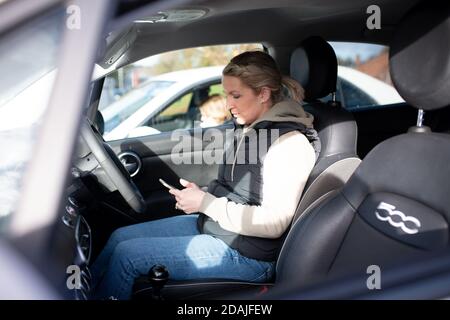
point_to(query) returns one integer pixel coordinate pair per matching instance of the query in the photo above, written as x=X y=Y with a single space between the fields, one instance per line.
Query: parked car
x=358 y=90
x=67 y=190
x=141 y=111
x=128 y=116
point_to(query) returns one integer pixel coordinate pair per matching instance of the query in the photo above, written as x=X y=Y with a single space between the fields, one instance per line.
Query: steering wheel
x=113 y=168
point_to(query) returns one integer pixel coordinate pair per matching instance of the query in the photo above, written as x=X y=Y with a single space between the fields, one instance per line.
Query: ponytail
x=295 y=90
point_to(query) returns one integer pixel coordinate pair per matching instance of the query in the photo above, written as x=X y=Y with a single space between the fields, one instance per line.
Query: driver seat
x=391 y=210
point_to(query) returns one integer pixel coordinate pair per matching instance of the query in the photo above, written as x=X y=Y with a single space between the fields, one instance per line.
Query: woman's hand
x=188 y=199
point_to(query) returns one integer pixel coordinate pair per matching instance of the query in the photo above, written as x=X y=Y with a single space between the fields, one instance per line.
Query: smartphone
x=165 y=184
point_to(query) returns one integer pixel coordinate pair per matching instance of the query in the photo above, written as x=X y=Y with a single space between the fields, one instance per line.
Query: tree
x=199 y=57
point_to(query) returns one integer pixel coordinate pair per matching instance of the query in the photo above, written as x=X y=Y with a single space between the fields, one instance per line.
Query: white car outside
x=379 y=91
x=181 y=82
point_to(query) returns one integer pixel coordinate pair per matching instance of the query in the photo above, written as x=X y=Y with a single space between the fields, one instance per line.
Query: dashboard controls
x=131 y=161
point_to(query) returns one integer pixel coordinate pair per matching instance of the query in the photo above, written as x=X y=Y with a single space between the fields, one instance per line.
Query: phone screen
x=165 y=184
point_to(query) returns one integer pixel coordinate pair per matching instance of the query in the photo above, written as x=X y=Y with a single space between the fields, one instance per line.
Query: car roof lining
x=252 y=21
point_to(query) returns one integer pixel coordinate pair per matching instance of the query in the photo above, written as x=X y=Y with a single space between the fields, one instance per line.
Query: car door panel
x=155 y=152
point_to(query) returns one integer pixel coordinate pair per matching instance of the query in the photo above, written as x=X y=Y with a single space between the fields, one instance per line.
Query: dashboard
x=79 y=237
x=86 y=208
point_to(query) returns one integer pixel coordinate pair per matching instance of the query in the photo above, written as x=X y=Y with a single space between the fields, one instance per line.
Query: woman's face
x=244 y=104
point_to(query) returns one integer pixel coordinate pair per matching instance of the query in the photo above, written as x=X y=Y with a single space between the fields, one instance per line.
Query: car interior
x=392 y=159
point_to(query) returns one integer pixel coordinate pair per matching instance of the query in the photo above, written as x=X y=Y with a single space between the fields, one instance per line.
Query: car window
x=28 y=62
x=187 y=78
x=180 y=106
x=117 y=108
x=353 y=96
x=363 y=81
x=175 y=116
x=193 y=109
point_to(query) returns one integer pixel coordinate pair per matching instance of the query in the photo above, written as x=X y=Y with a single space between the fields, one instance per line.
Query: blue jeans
x=176 y=243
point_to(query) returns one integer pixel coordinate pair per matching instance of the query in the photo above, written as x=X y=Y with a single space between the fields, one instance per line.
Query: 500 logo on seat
x=384 y=208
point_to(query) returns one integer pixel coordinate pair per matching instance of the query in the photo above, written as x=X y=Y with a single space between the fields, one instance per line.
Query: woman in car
x=235 y=228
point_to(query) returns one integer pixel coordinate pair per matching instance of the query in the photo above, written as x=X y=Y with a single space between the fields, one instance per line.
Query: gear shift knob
x=158 y=276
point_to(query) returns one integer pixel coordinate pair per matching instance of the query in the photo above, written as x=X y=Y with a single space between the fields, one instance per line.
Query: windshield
x=116 y=108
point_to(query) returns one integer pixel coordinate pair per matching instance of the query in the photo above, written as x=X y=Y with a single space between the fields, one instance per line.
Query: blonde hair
x=215 y=107
x=257 y=69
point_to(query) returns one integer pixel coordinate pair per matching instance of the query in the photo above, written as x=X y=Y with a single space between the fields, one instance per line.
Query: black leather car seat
x=396 y=206
x=314 y=65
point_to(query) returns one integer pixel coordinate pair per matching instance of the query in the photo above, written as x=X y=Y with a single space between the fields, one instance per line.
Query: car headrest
x=314 y=65
x=420 y=56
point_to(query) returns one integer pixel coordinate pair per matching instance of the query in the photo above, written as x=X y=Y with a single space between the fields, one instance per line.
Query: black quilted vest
x=245 y=186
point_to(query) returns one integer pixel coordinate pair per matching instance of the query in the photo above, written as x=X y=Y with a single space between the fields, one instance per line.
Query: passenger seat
x=314 y=65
